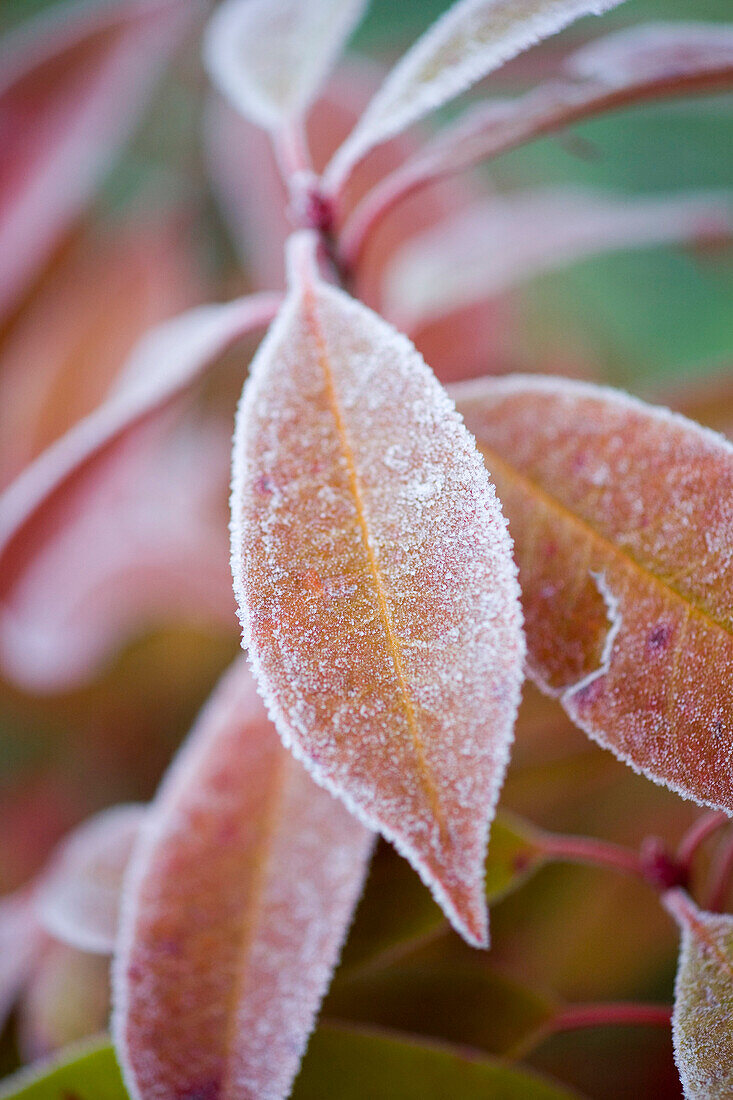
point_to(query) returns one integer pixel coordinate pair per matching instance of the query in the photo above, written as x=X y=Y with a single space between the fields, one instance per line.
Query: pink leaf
x=638 y=64
x=77 y=897
x=238 y=899
x=374 y=577
x=64 y=535
x=469 y=41
x=493 y=245
x=67 y=345
x=270 y=57
x=72 y=86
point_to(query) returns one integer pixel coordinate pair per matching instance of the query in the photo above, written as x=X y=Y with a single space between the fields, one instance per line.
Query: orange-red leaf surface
x=622 y=518
x=72 y=86
x=238 y=899
x=703 y=1003
x=374 y=576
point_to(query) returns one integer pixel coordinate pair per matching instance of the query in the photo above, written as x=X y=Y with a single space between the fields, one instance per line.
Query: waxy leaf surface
x=374 y=576
x=500 y=242
x=472 y=38
x=87 y=1070
x=622 y=517
x=703 y=1002
x=270 y=57
x=239 y=896
x=72 y=86
x=77 y=898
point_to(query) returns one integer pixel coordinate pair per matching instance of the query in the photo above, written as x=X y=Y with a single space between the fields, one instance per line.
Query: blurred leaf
x=512 y=856
x=445 y=991
x=85 y=1073
x=66 y=1000
x=623 y=533
x=356 y=1065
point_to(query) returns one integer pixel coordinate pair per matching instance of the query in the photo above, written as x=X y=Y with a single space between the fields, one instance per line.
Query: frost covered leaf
x=642 y=63
x=703 y=1003
x=270 y=57
x=469 y=41
x=164 y=484
x=77 y=898
x=493 y=245
x=622 y=522
x=72 y=85
x=374 y=576
x=239 y=896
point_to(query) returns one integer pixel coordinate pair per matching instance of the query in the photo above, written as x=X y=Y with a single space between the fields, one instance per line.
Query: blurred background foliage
x=644 y=318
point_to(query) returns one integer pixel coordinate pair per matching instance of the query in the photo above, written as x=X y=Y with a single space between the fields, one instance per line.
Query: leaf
x=359 y=1065
x=21 y=941
x=73 y=84
x=69 y=342
x=375 y=583
x=495 y=244
x=50 y=516
x=88 y=1071
x=270 y=57
x=445 y=991
x=65 y=1001
x=77 y=898
x=136 y=537
x=632 y=66
x=468 y=42
x=623 y=531
x=703 y=1042
x=238 y=899
x=514 y=853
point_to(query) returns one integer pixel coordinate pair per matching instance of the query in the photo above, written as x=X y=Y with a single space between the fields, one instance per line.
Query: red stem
x=614 y=1014
x=698 y=833
x=721 y=878
x=599 y=853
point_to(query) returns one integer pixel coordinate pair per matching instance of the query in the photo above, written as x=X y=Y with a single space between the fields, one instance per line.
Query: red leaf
x=72 y=86
x=623 y=530
x=236 y=905
x=375 y=582
x=120 y=496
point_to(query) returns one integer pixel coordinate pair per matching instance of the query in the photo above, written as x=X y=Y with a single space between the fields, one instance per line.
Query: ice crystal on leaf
x=703 y=1039
x=373 y=571
x=237 y=900
x=598 y=484
x=473 y=38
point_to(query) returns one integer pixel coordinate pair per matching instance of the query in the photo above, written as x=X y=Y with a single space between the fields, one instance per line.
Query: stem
x=721 y=878
x=598 y=853
x=292 y=152
x=576 y=1017
x=698 y=833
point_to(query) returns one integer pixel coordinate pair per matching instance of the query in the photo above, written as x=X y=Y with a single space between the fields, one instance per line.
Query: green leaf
x=358 y=1065
x=514 y=853
x=88 y=1072
x=446 y=992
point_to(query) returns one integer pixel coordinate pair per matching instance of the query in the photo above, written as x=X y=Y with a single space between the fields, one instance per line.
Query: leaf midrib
x=534 y=489
x=313 y=322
